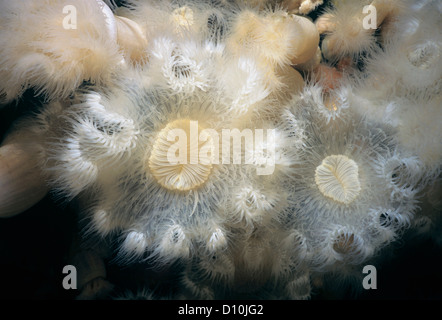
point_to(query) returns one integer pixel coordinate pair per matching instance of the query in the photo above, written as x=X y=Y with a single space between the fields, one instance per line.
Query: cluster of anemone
x=352 y=162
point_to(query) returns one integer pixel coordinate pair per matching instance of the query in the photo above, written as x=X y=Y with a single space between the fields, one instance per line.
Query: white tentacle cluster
x=161 y=129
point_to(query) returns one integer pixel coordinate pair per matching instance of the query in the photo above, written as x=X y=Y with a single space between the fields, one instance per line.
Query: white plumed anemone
x=291 y=83
x=279 y=262
x=274 y=40
x=134 y=245
x=417 y=70
x=94 y=140
x=211 y=270
x=415 y=118
x=337 y=178
x=183 y=17
x=345 y=34
x=121 y=147
x=42 y=48
x=388 y=224
x=255 y=204
x=336 y=182
x=217 y=240
x=251 y=202
x=404 y=175
x=279 y=38
x=174 y=242
x=330 y=104
x=101 y=222
x=301 y=6
x=419 y=130
x=299 y=288
x=348 y=245
x=189 y=172
x=409 y=61
x=180 y=19
x=243 y=84
x=293 y=255
x=149 y=154
x=180 y=65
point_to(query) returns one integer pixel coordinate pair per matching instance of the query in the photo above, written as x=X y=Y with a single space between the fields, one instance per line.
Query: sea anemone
x=344 y=30
x=210 y=139
x=414 y=49
x=337 y=178
x=301 y=6
x=124 y=153
x=40 y=50
x=336 y=185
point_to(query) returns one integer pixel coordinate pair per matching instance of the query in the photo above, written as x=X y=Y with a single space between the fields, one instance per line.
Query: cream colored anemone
x=254 y=205
x=183 y=17
x=93 y=141
x=336 y=183
x=132 y=150
x=277 y=37
x=338 y=194
x=21 y=180
x=348 y=244
x=274 y=40
x=189 y=172
x=301 y=6
x=337 y=178
x=181 y=66
x=330 y=104
x=409 y=64
x=349 y=26
x=419 y=130
x=54 y=46
x=244 y=84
